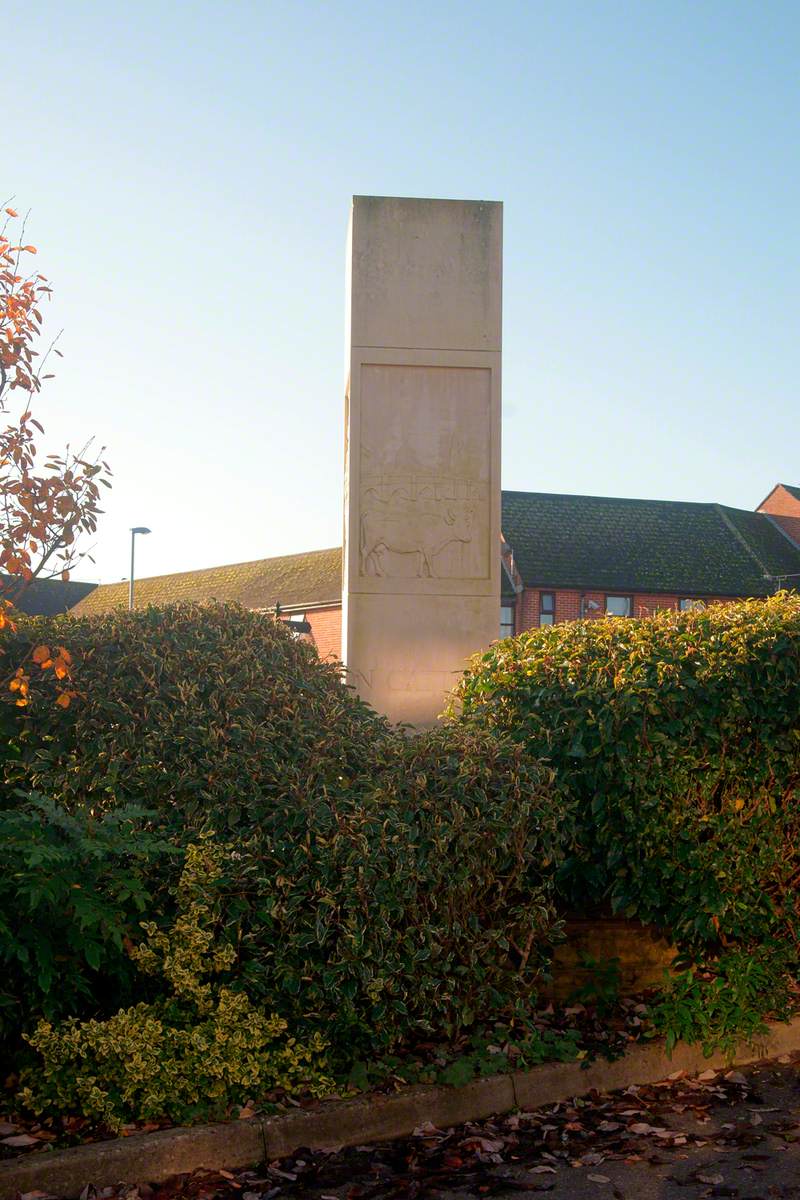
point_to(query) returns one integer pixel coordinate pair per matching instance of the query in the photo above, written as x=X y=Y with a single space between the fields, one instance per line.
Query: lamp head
x=140 y=529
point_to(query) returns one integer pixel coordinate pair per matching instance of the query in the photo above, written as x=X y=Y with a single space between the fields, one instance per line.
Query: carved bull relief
x=424 y=472
x=421 y=528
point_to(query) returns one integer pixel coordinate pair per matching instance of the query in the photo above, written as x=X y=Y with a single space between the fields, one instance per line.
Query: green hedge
x=197 y=1050
x=376 y=886
x=189 y=710
x=379 y=887
x=414 y=905
x=678 y=738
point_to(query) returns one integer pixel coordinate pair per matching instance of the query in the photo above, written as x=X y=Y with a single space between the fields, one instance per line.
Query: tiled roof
x=644 y=545
x=48 y=597
x=596 y=542
x=311 y=578
x=789 y=525
x=793 y=491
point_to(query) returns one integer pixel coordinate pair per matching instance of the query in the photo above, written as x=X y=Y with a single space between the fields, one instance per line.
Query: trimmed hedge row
x=380 y=887
x=678 y=739
x=376 y=886
x=193 y=710
x=412 y=906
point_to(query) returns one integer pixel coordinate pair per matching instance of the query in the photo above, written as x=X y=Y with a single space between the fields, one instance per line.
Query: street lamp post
x=137 y=529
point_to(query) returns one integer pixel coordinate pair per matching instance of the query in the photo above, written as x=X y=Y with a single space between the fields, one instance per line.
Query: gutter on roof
x=299 y=608
x=627 y=588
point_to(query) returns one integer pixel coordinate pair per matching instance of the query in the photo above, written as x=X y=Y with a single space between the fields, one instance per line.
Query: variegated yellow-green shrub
x=193 y=1054
x=187 y=717
x=380 y=887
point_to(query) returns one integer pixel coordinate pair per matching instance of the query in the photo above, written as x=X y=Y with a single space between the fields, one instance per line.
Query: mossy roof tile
x=611 y=544
x=48 y=597
x=586 y=542
x=310 y=578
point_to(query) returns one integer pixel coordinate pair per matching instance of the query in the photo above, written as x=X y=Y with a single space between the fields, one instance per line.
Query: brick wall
x=568 y=605
x=527 y=611
x=326 y=623
x=780 y=503
x=326 y=631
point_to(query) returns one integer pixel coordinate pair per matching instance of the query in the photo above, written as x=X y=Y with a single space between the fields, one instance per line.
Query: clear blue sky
x=189 y=168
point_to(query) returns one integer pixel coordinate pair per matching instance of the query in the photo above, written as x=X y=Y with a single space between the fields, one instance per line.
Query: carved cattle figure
x=424 y=533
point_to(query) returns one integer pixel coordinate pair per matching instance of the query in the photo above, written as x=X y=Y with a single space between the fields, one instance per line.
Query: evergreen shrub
x=677 y=737
x=193 y=1052
x=192 y=710
x=378 y=887
x=73 y=887
x=410 y=905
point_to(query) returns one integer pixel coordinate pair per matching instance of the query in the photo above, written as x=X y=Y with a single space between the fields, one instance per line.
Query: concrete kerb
x=155 y=1156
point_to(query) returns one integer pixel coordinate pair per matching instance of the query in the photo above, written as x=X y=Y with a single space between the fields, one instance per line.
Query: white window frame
x=619 y=596
x=547 y=616
x=507 y=628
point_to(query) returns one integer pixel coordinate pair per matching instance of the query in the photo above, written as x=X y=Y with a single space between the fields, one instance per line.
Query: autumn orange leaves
x=59 y=661
x=20 y=315
x=44 y=509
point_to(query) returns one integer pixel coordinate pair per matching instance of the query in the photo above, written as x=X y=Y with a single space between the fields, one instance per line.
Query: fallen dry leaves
x=653 y=1124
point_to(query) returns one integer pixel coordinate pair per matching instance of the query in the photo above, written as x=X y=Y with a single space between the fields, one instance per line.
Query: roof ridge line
x=611 y=499
x=741 y=538
x=250 y=562
x=775 y=521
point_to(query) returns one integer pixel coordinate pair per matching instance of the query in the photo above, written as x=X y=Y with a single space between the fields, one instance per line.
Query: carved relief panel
x=424 y=470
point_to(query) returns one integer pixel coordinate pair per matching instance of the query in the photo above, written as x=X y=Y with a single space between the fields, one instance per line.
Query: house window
x=619 y=606
x=298 y=624
x=506 y=620
x=547 y=608
x=687 y=604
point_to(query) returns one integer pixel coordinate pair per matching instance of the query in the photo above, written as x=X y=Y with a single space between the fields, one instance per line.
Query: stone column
x=421 y=587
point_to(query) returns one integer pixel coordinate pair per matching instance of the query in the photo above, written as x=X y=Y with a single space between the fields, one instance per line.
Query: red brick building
x=564 y=557
x=783 y=506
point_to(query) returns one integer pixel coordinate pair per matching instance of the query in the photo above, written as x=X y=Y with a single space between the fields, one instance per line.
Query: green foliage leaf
x=191 y=1053
x=675 y=738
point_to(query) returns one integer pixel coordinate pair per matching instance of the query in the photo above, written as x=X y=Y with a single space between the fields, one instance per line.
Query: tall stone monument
x=422 y=453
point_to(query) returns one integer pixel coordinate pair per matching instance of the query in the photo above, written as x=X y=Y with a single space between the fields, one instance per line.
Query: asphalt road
x=734 y=1134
